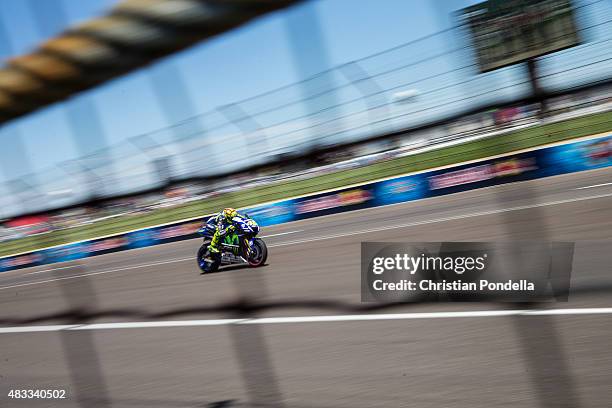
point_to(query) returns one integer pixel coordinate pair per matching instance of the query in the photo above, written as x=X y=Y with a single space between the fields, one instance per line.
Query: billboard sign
x=511 y=31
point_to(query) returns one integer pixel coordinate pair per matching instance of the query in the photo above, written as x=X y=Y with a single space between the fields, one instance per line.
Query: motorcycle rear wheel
x=206 y=262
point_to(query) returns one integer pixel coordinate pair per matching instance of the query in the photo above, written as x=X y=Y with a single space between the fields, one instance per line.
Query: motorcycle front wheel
x=259 y=253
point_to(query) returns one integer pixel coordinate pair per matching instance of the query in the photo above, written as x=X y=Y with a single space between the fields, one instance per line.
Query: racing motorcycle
x=235 y=248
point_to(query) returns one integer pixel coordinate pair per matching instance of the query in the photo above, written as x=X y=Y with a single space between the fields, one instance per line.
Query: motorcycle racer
x=226 y=221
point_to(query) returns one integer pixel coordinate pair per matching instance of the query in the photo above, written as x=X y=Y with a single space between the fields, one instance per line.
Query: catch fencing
x=384 y=93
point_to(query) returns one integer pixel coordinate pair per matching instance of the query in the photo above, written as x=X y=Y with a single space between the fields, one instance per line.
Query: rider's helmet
x=229 y=213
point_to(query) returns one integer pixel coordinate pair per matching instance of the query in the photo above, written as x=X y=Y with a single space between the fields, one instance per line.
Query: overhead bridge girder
x=134 y=33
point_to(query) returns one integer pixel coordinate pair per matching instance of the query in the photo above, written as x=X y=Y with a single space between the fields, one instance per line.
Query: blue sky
x=248 y=61
x=231 y=67
x=245 y=62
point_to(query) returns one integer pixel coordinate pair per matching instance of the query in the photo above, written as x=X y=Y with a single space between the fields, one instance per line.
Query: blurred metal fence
x=415 y=84
x=369 y=100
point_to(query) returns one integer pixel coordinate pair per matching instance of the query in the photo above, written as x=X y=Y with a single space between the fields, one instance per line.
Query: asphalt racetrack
x=422 y=355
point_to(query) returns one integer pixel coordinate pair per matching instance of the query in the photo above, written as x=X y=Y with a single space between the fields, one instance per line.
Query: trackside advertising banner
x=524 y=166
x=136 y=239
x=550 y=161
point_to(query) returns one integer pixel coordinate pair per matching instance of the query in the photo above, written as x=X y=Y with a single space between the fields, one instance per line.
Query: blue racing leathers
x=222 y=225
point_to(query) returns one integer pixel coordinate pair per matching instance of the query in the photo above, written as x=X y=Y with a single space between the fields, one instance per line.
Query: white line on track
x=309 y=319
x=97 y=273
x=346 y=234
x=594 y=185
x=50 y=270
x=444 y=219
x=174 y=260
x=281 y=233
x=110 y=270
